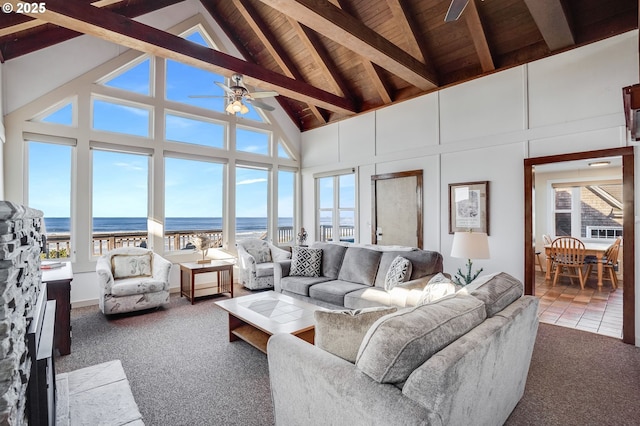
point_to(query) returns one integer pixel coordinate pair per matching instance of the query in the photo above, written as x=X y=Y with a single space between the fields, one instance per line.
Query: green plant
x=464 y=279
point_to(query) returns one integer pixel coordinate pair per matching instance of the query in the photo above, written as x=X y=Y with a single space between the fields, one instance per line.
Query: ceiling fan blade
x=259 y=104
x=455 y=10
x=225 y=87
x=265 y=94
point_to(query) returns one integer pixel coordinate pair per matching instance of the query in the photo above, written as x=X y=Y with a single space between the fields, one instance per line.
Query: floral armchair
x=255 y=262
x=132 y=279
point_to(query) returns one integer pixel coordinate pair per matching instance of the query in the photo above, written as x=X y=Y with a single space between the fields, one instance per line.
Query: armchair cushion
x=260 y=254
x=130 y=265
x=137 y=285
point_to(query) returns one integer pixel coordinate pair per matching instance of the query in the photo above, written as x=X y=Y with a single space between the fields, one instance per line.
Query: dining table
x=590 y=249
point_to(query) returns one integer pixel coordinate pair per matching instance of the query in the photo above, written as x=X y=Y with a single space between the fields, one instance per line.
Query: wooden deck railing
x=59 y=245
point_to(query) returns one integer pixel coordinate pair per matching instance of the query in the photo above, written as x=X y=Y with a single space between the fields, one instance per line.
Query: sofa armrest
x=105 y=275
x=310 y=386
x=280 y=270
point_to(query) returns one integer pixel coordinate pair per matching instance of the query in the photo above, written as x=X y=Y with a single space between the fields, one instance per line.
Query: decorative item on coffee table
x=202 y=243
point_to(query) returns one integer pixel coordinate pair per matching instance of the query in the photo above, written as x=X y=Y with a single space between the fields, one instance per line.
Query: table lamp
x=469 y=245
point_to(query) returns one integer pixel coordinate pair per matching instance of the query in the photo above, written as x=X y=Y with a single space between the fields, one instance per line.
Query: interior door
x=397 y=209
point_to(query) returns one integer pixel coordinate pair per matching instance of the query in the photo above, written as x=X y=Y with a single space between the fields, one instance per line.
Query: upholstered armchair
x=255 y=262
x=132 y=279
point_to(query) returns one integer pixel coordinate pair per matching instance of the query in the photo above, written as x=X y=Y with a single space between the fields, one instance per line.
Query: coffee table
x=257 y=317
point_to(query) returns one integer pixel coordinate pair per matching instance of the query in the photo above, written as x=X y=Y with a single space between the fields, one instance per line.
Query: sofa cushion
x=332 y=256
x=498 y=292
x=398 y=343
x=423 y=262
x=399 y=272
x=305 y=262
x=130 y=265
x=136 y=285
x=341 y=332
x=300 y=285
x=438 y=287
x=333 y=292
x=360 y=265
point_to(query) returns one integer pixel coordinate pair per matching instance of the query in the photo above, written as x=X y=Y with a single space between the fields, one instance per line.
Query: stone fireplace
x=20 y=280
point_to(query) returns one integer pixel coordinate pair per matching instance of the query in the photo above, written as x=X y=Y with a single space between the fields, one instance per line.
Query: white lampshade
x=470 y=245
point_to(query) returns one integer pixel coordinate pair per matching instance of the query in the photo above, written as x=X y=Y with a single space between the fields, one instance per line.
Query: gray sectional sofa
x=353 y=276
x=461 y=360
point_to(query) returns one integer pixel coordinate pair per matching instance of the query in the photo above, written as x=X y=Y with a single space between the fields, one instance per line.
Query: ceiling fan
x=237 y=93
x=455 y=10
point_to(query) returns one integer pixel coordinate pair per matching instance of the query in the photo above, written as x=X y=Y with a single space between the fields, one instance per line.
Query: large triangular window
x=134 y=77
x=282 y=153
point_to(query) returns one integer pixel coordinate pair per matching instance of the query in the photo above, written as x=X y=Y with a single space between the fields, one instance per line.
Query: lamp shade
x=470 y=245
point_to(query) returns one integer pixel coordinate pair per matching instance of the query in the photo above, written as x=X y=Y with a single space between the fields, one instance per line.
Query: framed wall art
x=469 y=207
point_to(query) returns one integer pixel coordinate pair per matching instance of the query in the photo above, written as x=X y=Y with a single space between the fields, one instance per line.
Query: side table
x=59 y=289
x=223 y=284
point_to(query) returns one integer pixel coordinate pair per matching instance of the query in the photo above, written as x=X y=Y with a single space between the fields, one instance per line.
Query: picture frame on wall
x=469 y=207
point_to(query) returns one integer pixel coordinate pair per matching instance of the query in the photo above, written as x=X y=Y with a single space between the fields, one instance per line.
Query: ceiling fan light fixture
x=236 y=106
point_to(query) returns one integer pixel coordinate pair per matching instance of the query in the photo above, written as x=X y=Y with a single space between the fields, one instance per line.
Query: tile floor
x=589 y=309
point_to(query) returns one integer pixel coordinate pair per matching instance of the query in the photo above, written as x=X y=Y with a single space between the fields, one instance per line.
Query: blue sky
x=120 y=180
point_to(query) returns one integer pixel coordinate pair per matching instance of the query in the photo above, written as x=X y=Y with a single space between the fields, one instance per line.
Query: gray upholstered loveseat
x=353 y=276
x=461 y=360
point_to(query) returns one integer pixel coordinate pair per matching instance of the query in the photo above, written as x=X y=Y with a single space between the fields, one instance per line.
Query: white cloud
x=250 y=181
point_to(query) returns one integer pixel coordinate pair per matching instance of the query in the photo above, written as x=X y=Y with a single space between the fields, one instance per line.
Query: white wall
x=483 y=130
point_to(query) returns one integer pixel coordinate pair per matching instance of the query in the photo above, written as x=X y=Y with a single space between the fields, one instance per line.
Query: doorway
x=392 y=225
x=628 y=232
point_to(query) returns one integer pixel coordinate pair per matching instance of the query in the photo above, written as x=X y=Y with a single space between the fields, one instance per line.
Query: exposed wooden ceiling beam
x=553 y=23
x=126 y=32
x=278 y=54
x=14 y=45
x=335 y=24
x=479 y=37
x=247 y=55
x=409 y=29
x=372 y=72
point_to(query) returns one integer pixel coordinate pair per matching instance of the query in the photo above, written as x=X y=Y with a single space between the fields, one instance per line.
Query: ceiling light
x=236 y=106
x=599 y=163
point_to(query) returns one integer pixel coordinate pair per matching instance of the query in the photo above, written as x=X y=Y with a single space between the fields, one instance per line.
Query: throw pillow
x=341 y=332
x=126 y=265
x=305 y=262
x=400 y=342
x=438 y=287
x=498 y=292
x=260 y=254
x=399 y=272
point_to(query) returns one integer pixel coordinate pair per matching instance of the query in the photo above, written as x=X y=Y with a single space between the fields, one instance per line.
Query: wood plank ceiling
x=331 y=59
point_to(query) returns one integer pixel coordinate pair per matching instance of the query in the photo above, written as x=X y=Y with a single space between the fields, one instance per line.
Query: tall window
x=336 y=207
x=592 y=210
x=50 y=191
x=120 y=200
x=192 y=200
x=252 y=195
x=286 y=190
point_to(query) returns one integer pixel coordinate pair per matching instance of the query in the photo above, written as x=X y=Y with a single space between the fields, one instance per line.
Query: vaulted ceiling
x=331 y=59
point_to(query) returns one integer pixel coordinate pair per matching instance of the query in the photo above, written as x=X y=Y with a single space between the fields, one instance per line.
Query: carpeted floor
x=183 y=370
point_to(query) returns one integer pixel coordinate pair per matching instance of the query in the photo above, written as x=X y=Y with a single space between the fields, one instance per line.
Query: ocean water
x=112 y=224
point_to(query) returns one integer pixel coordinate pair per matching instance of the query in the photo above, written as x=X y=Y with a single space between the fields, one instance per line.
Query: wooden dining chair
x=568 y=256
x=546 y=240
x=609 y=263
